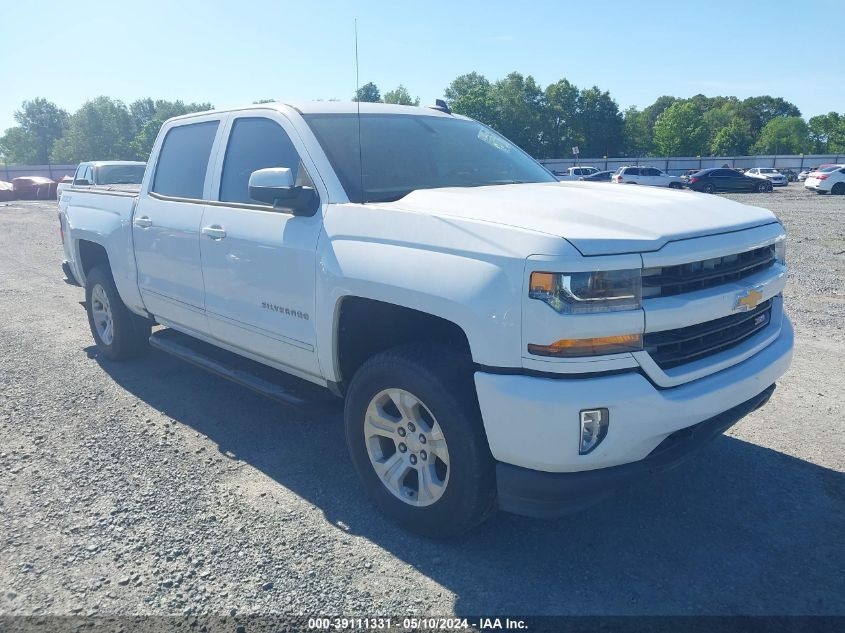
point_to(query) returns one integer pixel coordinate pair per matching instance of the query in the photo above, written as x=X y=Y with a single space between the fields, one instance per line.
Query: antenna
x=358 y=100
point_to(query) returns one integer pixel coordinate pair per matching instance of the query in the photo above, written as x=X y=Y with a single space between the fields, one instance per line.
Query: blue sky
x=234 y=53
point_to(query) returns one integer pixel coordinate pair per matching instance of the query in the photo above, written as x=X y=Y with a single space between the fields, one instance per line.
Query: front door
x=166 y=225
x=259 y=263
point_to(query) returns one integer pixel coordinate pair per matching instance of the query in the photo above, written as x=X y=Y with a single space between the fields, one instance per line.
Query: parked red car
x=34 y=188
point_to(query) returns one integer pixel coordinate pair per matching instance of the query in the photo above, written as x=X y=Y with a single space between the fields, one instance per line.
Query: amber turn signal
x=570 y=347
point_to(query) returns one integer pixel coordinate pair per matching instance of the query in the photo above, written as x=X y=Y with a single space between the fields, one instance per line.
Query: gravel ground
x=154 y=488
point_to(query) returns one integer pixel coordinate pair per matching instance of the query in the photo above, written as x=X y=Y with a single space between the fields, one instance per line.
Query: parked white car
x=830 y=178
x=574 y=173
x=104 y=173
x=768 y=173
x=646 y=176
x=501 y=339
x=806 y=172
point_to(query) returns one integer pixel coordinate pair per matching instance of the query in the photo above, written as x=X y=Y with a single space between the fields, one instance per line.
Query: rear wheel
x=708 y=188
x=416 y=439
x=117 y=332
x=838 y=189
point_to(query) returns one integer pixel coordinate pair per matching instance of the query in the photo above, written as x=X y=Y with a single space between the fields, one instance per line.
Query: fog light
x=594 y=424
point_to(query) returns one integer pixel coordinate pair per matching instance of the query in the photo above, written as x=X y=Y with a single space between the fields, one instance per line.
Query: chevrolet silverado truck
x=501 y=340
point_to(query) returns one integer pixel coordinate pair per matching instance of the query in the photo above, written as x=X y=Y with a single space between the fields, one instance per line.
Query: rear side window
x=632 y=171
x=183 y=160
x=255 y=143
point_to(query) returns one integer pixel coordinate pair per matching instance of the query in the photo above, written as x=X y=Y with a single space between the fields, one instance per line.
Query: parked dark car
x=790 y=174
x=599 y=176
x=720 y=179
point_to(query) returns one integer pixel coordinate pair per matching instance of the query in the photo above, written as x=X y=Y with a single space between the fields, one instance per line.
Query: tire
x=708 y=188
x=764 y=187
x=443 y=408
x=118 y=333
x=838 y=189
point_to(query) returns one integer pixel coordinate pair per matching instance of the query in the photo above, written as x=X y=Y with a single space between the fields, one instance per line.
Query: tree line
x=545 y=121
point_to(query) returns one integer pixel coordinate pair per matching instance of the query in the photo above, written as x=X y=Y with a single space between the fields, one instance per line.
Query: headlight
x=580 y=293
x=780 y=250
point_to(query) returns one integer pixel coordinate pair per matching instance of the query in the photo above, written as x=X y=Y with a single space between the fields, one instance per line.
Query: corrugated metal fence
x=677 y=165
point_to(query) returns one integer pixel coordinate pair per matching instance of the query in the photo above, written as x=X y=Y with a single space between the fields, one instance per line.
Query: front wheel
x=118 y=333
x=764 y=187
x=416 y=440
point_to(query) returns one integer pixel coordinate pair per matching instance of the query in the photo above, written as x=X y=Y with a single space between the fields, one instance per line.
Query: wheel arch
x=365 y=326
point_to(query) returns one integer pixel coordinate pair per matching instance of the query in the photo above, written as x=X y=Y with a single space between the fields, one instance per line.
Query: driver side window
x=257 y=143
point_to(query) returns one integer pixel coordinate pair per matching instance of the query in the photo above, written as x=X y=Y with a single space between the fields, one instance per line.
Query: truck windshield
x=402 y=153
x=120 y=174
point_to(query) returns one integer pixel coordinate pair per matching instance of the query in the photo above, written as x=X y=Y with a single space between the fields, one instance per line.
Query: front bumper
x=539 y=494
x=532 y=422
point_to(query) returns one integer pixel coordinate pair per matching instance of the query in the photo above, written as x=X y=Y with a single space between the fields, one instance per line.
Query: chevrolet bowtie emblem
x=748 y=300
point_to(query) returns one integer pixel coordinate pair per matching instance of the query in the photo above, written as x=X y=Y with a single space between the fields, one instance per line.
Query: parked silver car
x=768 y=173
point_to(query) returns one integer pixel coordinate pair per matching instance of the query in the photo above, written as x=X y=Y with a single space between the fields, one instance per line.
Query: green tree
x=758 y=111
x=472 y=96
x=368 y=93
x=783 y=135
x=560 y=114
x=733 y=139
x=680 y=130
x=148 y=118
x=598 y=125
x=652 y=112
x=827 y=131
x=400 y=96
x=100 y=130
x=40 y=123
x=636 y=133
x=141 y=112
x=518 y=104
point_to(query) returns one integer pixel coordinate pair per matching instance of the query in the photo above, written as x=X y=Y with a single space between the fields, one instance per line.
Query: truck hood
x=596 y=218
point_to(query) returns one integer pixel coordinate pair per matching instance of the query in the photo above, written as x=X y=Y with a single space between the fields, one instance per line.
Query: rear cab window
x=183 y=160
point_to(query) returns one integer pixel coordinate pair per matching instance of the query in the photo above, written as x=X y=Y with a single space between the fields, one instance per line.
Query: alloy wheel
x=406 y=447
x=102 y=314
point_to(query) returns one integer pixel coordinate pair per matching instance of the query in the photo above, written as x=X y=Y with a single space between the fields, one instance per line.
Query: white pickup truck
x=502 y=340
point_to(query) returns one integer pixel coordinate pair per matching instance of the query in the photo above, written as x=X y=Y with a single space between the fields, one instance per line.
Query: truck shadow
x=737 y=529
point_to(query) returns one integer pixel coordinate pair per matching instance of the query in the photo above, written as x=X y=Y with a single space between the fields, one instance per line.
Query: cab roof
x=333 y=107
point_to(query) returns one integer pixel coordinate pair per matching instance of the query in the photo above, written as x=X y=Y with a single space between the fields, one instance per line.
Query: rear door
x=631 y=175
x=259 y=263
x=651 y=176
x=166 y=225
x=741 y=182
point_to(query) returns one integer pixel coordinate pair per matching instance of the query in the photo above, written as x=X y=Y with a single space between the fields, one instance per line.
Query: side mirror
x=275 y=186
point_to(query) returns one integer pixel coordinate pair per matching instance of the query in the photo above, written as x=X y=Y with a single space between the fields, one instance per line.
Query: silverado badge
x=747 y=300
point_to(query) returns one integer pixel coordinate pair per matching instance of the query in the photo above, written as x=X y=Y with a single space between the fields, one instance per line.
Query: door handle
x=143 y=222
x=215 y=232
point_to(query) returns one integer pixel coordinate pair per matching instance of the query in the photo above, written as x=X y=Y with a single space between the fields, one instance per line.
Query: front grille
x=671 y=348
x=675 y=280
